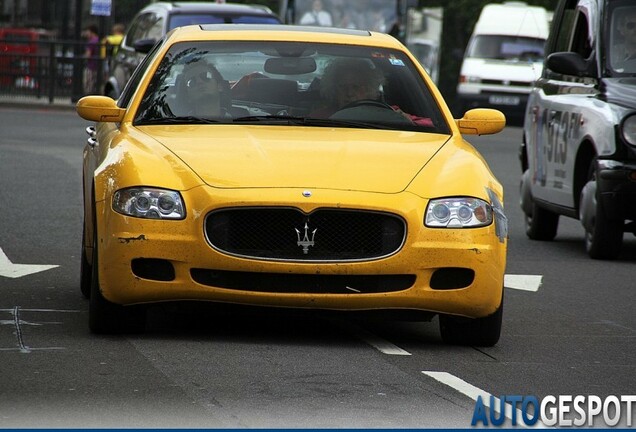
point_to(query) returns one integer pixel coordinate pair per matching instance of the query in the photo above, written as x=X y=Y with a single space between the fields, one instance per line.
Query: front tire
x=481 y=332
x=86 y=271
x=105 y=317
x=603 y=236
x=540 y=224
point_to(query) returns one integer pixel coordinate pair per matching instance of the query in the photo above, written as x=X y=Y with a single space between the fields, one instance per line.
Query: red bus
x=21 y=50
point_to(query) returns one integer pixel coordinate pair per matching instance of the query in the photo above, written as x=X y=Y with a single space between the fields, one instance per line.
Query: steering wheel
x=367 y=102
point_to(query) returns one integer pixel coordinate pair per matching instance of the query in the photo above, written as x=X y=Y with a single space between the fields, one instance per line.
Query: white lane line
x=520 y=282
x=11 y=270
x=18 y=323
x=41 y=310
x=378 y=343
x=474 y=392
x=523 y=282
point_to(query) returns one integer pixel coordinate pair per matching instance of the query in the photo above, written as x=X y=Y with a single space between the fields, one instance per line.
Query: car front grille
x=286 y=283
x=326 y=234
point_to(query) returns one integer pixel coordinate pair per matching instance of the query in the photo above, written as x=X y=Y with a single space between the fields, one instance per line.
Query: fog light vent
x=153 y=269
x=452 y=278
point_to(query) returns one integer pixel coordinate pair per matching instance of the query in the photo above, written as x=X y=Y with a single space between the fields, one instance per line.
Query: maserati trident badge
x=305 y=242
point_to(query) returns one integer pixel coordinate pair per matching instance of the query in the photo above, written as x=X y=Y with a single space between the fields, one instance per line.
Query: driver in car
x=348 y=82
x=626 y=50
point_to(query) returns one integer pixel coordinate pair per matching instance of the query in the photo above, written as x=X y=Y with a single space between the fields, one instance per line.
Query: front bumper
x=454 y=271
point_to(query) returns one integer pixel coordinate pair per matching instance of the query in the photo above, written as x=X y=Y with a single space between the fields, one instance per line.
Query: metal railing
x=49 y=71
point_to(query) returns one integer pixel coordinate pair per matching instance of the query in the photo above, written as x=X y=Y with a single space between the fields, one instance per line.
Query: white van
x=504 y=57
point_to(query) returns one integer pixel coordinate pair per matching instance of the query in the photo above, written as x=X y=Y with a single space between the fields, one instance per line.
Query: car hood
x=230 y=156
x=621 y=91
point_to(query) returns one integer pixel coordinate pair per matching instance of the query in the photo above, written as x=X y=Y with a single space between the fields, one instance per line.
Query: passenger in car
x=200 y=91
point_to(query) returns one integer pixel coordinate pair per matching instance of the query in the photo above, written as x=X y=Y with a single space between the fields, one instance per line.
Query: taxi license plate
x=504 y=100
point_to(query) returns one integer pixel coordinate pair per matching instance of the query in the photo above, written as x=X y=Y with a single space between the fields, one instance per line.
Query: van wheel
x=482 y=332
x=105 y=317
x=540 y=224
x=603 y=236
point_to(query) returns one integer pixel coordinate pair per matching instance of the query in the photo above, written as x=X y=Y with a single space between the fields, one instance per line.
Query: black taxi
x=578 y=154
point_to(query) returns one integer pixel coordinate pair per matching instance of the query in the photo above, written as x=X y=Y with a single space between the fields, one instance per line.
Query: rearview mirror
x=290 y=65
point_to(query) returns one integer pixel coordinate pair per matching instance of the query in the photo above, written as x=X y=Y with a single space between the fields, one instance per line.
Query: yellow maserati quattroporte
x=290 y=167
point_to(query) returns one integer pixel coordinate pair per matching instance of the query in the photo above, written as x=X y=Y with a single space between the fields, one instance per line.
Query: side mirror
x=567 y=63
x=481 y=121
x=99 y=109
x=144 y=46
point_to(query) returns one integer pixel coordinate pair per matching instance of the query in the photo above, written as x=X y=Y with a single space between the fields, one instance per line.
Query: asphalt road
x=209 y=367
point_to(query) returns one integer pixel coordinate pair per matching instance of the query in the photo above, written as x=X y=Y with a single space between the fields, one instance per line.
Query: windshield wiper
x=310 y=121
x=177 y=120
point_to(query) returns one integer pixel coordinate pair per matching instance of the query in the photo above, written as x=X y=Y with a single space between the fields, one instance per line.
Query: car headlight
x=459 y=212
x=629 y=130
x=150 y=203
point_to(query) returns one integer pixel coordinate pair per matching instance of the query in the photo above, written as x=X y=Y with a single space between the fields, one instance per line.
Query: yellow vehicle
x=220 y=175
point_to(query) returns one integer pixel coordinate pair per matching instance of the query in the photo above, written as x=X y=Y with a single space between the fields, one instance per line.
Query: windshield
x=622 y=37
x=503 y=47
x=375 y=15
x=289 y=83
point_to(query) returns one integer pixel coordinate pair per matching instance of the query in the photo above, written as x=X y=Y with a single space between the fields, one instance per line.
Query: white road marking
x=8 y=269
x=523 y=282
x=519 y=282
x=380 y=344
x=17 y=322
x=41 y=310
x=474 y=392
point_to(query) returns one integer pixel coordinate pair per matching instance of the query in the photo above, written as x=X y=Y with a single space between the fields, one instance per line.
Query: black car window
x=563 y=33
x=179 y=20
x=156 y=30
x=255 y=19
x=582 y=38
x=622 y=38
x=140 y=28
x=133 y=82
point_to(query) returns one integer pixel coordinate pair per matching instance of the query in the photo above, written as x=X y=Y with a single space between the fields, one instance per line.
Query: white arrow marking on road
x=523 y=282
x=8 y=269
